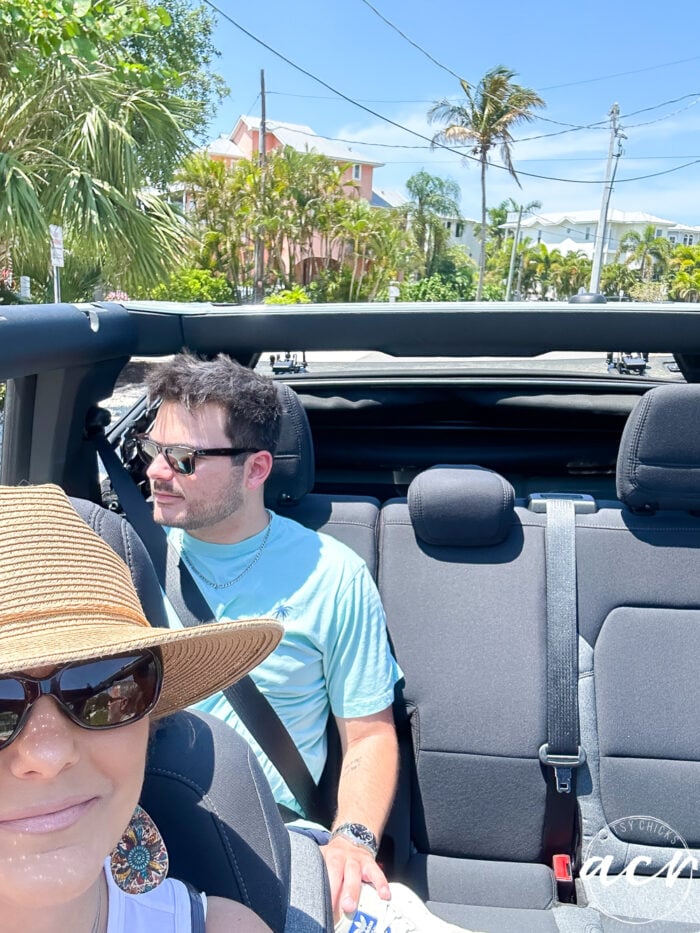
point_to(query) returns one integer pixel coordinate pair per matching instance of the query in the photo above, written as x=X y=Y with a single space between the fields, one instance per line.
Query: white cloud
x=578 y=156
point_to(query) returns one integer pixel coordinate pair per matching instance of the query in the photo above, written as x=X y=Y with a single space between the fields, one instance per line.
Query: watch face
x=360 y=835
x=357 y=829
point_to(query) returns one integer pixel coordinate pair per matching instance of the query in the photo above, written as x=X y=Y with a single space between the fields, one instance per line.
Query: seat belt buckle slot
x=563 y=766
x=562 y=869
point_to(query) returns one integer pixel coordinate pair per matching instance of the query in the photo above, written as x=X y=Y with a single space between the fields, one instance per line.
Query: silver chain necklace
x=223 y=586
x=98 y=919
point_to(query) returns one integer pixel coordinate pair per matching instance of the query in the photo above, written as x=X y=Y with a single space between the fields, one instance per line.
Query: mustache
x=167 y=488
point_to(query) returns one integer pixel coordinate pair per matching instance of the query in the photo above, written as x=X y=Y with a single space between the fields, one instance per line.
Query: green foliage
x=183 y=54
x=433 y=200
x=62 y=30
x=484 y=120
x=296 y=295
x=193 y=285
x=649 y=291
x=307 y=220
x=437 y=288
x=98 y=100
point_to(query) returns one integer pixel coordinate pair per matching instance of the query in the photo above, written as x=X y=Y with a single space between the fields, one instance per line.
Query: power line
x=405 y=129
x=411 y=42
x=621 y=74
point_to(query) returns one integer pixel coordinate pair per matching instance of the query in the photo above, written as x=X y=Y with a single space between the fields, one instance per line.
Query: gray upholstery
x=659 y=460
x=639 y=621
x=461 y=506
x=351 y=519
x=211 y=801
x=468 y=624
x=474 y=684
x=122 y=538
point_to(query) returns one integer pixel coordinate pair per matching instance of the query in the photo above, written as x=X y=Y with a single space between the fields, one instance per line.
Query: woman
x=82 y=675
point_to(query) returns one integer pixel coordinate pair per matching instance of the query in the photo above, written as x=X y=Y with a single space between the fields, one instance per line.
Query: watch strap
x=359 y=835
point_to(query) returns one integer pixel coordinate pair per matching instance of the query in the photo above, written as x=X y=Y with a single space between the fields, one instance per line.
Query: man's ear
x=258 y=468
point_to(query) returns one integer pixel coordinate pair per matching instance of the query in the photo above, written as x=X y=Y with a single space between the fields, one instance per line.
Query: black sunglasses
x=180 y=457
x=98 y=694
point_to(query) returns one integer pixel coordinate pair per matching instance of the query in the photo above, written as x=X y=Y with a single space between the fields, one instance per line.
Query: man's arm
x=365 y=794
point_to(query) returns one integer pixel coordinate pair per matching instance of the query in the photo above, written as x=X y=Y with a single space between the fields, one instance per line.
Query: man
x=248 y=561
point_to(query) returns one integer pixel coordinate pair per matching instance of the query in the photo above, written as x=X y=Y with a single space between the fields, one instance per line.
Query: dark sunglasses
x=99 y=694
x=180 y=457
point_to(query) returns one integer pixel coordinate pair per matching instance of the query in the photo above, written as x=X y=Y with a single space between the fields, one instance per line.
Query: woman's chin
x=48 y=878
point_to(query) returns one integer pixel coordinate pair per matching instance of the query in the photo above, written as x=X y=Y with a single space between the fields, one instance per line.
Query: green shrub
x=193 y=285
x=296 y=295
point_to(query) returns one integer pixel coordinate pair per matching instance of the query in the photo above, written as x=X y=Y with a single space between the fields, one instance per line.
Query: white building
x=461 y=230
x=577 y=230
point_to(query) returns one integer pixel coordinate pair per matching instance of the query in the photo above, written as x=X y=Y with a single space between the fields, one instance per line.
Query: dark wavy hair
x=251 y=403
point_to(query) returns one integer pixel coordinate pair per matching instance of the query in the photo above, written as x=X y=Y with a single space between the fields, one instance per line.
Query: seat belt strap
x=249 y=704
x=561 y=753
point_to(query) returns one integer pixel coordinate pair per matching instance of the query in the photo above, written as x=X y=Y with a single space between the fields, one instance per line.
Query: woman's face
x=66 y=796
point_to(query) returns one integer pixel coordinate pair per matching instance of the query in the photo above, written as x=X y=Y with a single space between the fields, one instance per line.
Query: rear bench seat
x=639 y=622
x=461 y=575
x=462 y=578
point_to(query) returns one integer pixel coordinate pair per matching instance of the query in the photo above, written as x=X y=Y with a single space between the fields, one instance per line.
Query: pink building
x=244 y=143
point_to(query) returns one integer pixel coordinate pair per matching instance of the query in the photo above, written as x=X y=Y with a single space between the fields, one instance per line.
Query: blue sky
x=580 y=57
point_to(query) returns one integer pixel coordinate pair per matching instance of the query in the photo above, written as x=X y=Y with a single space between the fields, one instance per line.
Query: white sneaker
x=404 y=913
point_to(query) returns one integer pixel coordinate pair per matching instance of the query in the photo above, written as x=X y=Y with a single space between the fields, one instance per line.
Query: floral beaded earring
x=139 y=861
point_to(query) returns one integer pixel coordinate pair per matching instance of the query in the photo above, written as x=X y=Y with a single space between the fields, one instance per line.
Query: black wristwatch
x=359 y=834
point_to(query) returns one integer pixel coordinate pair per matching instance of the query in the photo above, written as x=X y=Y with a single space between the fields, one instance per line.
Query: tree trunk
x=482 y=254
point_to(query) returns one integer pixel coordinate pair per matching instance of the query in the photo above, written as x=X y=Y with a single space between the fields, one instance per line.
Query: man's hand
x=348 y=866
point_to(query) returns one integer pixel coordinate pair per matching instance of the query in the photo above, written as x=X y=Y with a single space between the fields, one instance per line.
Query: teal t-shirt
x=334 y=655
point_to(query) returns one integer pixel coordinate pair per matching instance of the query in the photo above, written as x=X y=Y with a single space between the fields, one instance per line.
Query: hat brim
x=197 y=661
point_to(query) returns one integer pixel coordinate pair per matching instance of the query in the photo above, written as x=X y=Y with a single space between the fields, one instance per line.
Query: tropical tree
x=493 y=108
x=617 y=279
x=684 y=278
x=645 y=251
x=81 y=126
x=433 y=201
x=570 y=273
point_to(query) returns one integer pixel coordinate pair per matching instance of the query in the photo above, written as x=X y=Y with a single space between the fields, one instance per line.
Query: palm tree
x=485 y=121
x=433 y=200
x=645 y=250
x=75 y=138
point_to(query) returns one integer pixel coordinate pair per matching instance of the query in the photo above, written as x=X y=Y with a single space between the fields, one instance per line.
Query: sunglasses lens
x=181 y=459
x=147 y=449
x=12 y=703
x=111 y=691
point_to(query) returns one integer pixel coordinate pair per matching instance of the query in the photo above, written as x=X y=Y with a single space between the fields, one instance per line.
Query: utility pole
x=513 y=251
x=616 y=135
x=259 y=243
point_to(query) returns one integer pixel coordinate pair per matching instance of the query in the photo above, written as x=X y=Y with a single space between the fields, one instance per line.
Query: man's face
x=215 y=490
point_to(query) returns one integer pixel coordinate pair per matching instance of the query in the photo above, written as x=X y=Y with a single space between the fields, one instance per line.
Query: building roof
x=223 y=146
x=387 y=197
x=303 y=138
x=590 y=217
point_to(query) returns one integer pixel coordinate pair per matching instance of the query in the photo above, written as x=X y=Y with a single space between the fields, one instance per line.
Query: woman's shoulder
x=168 y=908
x=224 y=916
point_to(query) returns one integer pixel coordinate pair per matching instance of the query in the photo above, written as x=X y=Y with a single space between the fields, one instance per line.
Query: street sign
x=24 y=287
x=56 y=233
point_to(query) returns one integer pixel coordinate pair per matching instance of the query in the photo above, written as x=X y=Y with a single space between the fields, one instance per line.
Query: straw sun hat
x=66 y=596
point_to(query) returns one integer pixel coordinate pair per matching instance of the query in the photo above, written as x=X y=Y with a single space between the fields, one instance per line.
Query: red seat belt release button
x=562 y=868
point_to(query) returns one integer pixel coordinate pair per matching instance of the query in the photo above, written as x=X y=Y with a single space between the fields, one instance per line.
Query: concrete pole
x=605 y=204
x=513 y=251
x=259 y=243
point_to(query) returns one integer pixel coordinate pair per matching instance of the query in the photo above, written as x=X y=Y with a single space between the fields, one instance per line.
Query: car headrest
x=658 y=466
x=461 y=506
x=122 y=538
x=293 y=471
